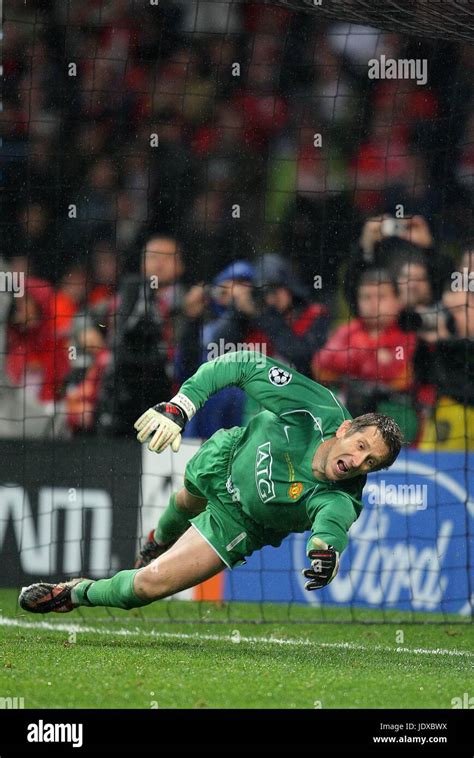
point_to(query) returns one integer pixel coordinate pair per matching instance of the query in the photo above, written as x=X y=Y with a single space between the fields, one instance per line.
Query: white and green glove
x=163 y=424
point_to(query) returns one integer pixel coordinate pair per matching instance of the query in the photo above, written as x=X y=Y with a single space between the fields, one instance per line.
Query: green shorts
x=225 y=527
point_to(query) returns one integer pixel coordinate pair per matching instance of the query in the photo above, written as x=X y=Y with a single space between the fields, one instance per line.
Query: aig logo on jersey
x=279 y=376
x=263 y=473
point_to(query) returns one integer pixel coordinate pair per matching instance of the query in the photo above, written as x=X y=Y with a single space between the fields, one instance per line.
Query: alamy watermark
x=13 y=281
x=398 y=495
x=462 y=281
x=13 y=703
x=399 y=68
x=463 y=702
x=42 y=731
x=240 y=352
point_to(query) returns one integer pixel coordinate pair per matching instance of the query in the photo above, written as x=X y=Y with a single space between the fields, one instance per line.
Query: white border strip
x=214 y=548
x=234 y=638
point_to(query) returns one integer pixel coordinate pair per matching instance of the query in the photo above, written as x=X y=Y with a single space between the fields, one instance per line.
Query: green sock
x=116 y=592
x=172 y=523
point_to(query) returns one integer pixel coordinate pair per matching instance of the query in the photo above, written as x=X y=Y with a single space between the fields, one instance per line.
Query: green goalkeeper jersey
x=270 y=471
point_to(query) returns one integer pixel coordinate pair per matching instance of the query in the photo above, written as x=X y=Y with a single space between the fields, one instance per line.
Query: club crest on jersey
x=263 y=473
x=279 y=376
x=295 y=489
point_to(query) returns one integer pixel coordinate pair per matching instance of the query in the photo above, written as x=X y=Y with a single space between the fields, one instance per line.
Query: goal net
x=183 y=178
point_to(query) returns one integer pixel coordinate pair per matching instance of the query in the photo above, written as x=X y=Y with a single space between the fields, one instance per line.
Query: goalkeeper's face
x=356 y=453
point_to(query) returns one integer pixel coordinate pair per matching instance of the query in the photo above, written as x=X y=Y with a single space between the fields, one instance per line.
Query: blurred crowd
x=187 y=178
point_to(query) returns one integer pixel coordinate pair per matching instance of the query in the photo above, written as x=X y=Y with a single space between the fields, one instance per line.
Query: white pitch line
x=234 y=638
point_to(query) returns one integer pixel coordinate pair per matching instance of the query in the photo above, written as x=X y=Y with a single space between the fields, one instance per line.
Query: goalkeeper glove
x=324 y=565
x=163 y=424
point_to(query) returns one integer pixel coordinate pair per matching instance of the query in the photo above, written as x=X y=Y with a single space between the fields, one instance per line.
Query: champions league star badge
x=279 y=377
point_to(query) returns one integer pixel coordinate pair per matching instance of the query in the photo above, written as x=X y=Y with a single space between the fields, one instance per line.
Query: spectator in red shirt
x=36 y=355
x=371 y=347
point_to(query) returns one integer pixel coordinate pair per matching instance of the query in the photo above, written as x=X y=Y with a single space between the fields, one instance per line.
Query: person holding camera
x=207 y=310
x=142 y=343
x=387 y=242
x=277 y=313
x=264 y=306
x=425 y=313
x=449 y=421
x=420 y=294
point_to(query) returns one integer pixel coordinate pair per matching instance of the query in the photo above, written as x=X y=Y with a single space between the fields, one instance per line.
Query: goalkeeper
x=299 y=465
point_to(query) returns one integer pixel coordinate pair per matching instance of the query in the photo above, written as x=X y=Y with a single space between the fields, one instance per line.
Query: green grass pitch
x=147 y=659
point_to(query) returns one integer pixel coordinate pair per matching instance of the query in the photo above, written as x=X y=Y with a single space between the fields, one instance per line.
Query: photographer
x=278 y=313
x=415 y=281
x=449 y=423
x=420 y=296
x=425 y=314
x=207 y=312
x=386 y=242
x=142 y=345
x=82 y=386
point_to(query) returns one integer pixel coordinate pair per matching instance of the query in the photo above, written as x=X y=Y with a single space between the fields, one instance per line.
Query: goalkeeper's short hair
x=388 y=428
